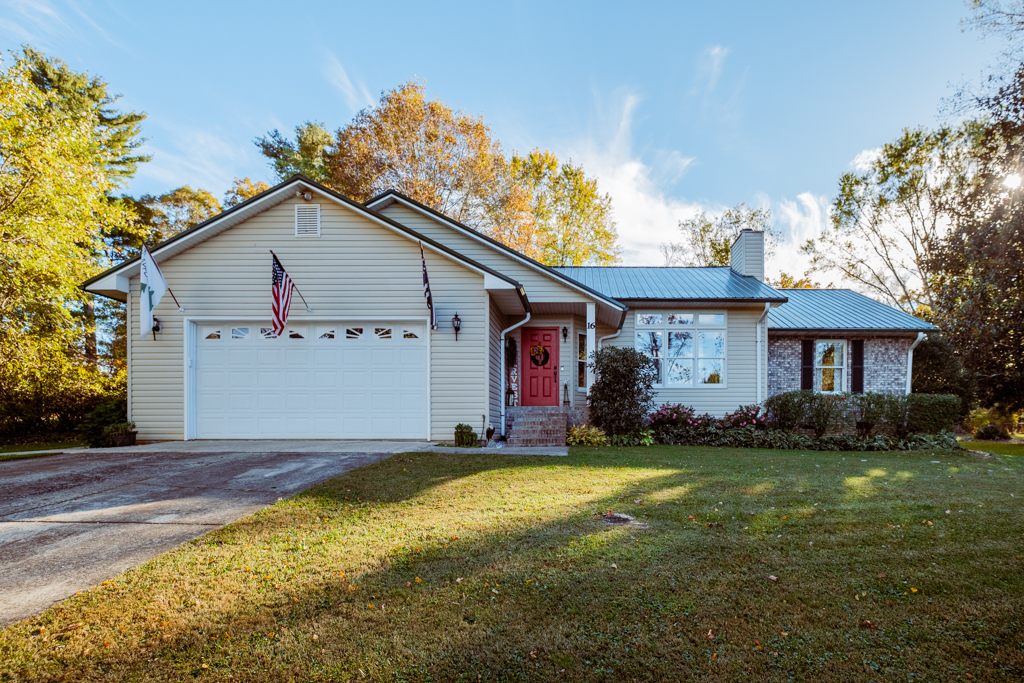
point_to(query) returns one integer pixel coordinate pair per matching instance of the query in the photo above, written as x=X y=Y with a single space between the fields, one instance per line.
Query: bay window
x=688 y=347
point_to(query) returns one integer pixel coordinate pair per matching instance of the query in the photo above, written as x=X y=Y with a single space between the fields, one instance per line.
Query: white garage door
x=317 y=381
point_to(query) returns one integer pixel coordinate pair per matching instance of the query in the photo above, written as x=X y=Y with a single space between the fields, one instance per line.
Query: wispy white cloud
x=798 y=220
x=191 y=156
x=862 y=162
x=356 y=96
x=646 y=215
x=648 y=210
x=709 y=69
x=29 y=20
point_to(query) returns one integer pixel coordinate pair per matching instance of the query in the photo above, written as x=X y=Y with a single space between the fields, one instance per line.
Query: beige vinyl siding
x=539 y=287
x=741 y=362
x=497 y=365
x=355 y=269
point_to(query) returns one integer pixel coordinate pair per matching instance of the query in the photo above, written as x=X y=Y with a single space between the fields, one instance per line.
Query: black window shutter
x=807 y=365
x=857 y=367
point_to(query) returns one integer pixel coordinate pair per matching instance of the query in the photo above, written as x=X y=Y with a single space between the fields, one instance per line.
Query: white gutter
x=910 y=358
x=502 y=394
x=767 y=307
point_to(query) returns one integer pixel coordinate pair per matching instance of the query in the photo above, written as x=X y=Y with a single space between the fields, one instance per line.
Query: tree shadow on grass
x=466 y=580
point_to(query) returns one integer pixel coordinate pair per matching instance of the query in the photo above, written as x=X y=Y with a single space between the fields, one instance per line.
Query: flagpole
x=171 y=292
x=308 y=309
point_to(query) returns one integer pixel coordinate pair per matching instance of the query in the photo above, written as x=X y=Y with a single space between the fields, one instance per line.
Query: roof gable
x=113 y=282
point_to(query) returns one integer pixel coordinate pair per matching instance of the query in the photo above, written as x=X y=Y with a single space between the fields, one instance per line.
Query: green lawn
x=998 y=447
x=745 y=565
x=52 y=445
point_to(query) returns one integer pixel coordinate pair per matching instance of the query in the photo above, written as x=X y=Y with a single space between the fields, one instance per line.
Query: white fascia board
x=115 y=286
x=522 y=259
x=492 y=282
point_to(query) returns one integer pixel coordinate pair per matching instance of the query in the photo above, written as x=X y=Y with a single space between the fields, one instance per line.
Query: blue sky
x=674 y=107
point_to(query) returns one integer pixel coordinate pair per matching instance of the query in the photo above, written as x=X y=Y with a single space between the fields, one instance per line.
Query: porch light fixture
x=565 y=334
x=156 y=327
x=457 y=324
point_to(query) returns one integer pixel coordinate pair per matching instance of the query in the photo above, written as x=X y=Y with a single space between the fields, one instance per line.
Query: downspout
x=767 y=307
x=600 y=342
x=910 y=358
x=502 y=394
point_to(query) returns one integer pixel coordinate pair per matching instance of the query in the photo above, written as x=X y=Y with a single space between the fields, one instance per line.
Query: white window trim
x=696 y=328
x=845 y=367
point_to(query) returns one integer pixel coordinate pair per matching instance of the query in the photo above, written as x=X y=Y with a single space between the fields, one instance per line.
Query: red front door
x=539 y=374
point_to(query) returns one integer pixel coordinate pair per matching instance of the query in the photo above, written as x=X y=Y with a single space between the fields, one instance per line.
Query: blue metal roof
x=714 y=284
x=840 y=309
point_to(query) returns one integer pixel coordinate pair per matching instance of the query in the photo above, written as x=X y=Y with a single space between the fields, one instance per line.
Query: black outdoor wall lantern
x=565 y=334
x=457 y=324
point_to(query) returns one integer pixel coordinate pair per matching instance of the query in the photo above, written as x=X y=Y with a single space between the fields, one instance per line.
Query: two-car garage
x=322 y=380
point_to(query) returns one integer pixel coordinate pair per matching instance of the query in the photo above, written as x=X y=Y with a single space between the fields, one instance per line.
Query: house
x=362 y=362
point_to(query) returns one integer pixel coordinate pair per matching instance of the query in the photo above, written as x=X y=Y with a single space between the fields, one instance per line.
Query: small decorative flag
x=426 y=291
x=152 y=288
x=281 y=292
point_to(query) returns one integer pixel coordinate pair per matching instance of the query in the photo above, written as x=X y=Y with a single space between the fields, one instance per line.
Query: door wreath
x=539 y=355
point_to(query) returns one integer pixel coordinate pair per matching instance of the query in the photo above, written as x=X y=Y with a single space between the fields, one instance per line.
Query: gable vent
x=307 y=220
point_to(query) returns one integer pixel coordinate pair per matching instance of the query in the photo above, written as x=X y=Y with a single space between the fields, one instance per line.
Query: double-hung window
x=687 y=347
x=829 y=365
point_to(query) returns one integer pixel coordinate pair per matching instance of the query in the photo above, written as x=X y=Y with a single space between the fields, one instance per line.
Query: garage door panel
x=250 y=386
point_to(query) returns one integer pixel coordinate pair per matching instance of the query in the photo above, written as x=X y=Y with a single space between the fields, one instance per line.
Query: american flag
x=426 y=291
x=281 y=291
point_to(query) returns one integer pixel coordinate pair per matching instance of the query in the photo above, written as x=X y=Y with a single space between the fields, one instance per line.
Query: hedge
x=905 y=415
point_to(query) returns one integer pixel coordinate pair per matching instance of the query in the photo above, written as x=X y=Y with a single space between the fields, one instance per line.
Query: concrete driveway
x=68 y=522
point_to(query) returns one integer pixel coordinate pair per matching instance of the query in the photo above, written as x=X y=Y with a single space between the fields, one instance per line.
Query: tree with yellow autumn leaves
x=449 y=161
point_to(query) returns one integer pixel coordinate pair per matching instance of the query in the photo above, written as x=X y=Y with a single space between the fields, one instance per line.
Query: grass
x=997 y=447
x=487 y=567
x=52 y=445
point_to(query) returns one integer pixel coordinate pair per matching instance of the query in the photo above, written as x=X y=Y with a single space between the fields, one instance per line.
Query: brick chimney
x=746 y=256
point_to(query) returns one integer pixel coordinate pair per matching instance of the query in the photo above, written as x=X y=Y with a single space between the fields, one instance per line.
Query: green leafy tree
x=937 y=369
x=115 y=134
x=55 y=188
x=707 y=240
x=307 y=154
x=888 y=218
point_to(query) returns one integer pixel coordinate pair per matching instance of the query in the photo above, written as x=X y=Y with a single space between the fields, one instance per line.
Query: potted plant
x=122 y=434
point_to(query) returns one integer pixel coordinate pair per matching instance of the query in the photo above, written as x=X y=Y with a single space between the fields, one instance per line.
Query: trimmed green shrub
x=752 y=437
x=93 y=429
x=868 y=409
x=788 y=410
x=992 y=432
x=464 y=435
x=933 y=413
x=585 y=435
x=921 y=413
x=621 y=395
x=826 y=412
